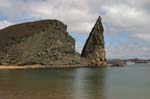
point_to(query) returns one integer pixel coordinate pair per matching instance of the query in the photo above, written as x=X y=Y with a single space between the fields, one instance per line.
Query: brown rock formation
x=45 y=42
x=94 y=49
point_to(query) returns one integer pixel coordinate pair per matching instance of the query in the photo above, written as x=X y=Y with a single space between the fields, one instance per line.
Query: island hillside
x=47 y=42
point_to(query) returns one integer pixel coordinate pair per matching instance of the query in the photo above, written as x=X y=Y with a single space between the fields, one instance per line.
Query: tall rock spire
x=94 y=48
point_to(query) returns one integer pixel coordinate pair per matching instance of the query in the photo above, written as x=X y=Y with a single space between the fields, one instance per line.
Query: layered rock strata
x=45 y=42
x=94 y=49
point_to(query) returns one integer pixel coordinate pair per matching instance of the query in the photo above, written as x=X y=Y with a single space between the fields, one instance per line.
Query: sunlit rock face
x=94 y=49
x=45 y=42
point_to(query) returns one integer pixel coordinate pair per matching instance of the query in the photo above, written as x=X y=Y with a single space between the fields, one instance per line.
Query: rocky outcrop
x=45 y=42
x=94 y=49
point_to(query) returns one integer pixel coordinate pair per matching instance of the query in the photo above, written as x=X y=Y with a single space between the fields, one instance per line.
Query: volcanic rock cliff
x=45 y=42
x=94 y=49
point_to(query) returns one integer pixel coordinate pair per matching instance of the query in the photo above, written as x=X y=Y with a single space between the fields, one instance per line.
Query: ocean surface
x=130 y=82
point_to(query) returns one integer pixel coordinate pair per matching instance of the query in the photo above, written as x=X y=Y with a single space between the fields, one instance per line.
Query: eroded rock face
x=44 y=42
x=94 y=49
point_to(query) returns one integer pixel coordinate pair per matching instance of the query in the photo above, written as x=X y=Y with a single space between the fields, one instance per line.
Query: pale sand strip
x=22 y=67
x=38 y=67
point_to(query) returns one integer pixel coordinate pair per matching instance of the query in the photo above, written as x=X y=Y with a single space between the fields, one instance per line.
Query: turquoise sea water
x=130 y=82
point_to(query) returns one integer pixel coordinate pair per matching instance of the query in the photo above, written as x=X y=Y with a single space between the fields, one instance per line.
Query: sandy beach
x=22 y=67
x=38 y=67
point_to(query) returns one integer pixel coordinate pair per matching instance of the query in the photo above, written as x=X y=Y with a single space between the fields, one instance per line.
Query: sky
x=126 y=22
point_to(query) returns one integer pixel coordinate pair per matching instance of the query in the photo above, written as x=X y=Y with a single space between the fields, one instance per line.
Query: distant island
x=47 y=43
x=123 y=62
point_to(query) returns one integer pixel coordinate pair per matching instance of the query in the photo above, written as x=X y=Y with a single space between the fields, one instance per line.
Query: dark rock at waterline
x=45 y=42
x=94 y=49
x=116 y=63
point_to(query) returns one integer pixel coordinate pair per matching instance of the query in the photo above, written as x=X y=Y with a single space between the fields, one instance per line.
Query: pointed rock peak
x=99 y=18
x=94 y=49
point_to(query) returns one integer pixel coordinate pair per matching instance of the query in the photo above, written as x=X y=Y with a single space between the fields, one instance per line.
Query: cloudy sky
x=126 y=22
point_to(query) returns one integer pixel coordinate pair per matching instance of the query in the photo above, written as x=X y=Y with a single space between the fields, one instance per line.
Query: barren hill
x=42 y=42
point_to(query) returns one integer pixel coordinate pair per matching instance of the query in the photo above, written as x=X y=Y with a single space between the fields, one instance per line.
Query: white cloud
x=76 y=15
x=142 y=36
x=4 y=24
x=12 y=9
x=123 y=18
x=80 y=15
x=133 y=50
